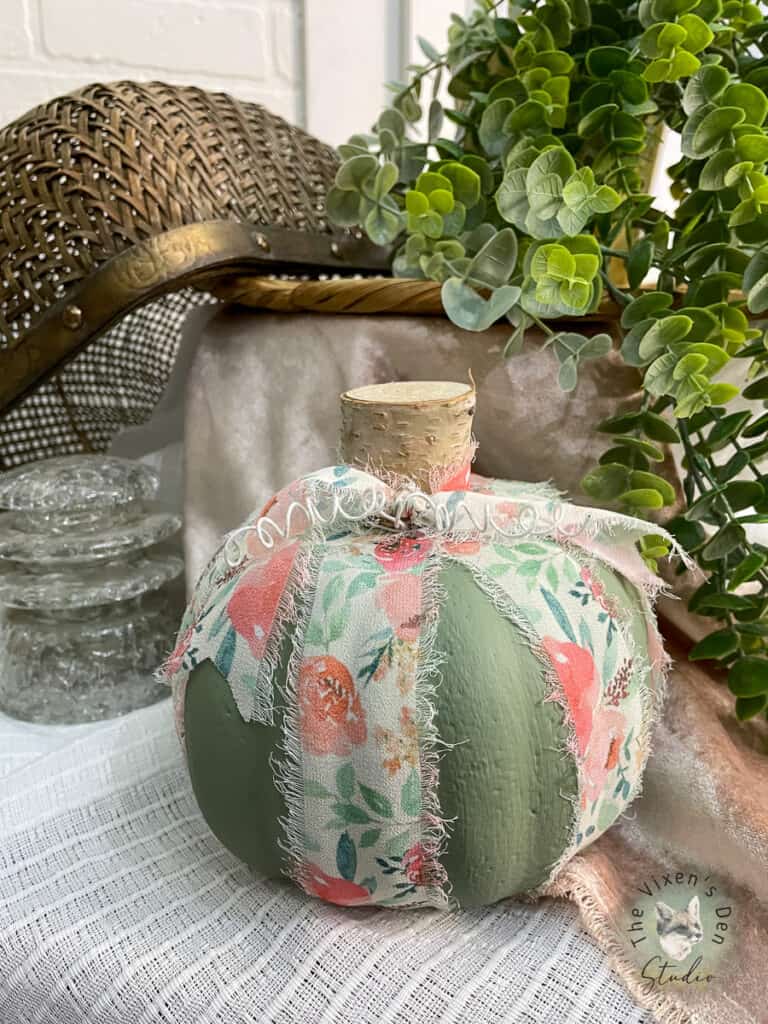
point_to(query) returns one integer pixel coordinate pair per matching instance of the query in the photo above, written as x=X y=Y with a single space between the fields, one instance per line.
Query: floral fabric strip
x=359 y=772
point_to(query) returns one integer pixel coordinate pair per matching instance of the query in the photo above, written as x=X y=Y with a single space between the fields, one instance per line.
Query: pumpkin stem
x=417 y=430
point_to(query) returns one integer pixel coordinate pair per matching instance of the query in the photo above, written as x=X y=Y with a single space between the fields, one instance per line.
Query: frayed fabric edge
x=438 y=475
x=287 y=762
x=434 y=827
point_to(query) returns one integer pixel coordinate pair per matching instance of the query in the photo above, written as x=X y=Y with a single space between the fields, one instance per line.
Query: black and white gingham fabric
x=113 y=384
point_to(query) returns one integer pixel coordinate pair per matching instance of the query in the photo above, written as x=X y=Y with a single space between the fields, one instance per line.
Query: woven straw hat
x=120 y=205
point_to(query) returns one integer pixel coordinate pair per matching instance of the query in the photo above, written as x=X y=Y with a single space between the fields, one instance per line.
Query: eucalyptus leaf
x=491 y=129
x=715 y=646
x=641 y=479
x=512 y=198
x=382 y=225
x=749 y=707
x=639 y=262
x=354 y=172
x=714 y=126
x=467 y=309
x=756 y=282
x=642 y=498
x=495 y=262
x=749 y=677
x=749 y=99
x=704 y=87
x=434 y=119
x=663 y=333
x=607 y=482
x=726 y=539
x=645 y=307
x=568 y=374
x=343 y=206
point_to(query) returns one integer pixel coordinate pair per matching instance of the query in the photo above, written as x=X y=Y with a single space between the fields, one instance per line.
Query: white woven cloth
x=118 y=905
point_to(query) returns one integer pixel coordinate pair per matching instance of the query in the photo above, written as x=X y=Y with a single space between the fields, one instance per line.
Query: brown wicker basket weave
x=115 y=196
x=388 y=295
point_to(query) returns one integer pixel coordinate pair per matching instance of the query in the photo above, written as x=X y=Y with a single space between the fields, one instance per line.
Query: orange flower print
x=578 y=678
x=331 y=717
x=399 y=748
x=253 y=605
x=333 y=890
x=398 y=553
x=613 y=753
x=461 y=547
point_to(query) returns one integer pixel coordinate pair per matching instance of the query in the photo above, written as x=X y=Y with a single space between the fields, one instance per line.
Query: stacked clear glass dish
x=91 y=587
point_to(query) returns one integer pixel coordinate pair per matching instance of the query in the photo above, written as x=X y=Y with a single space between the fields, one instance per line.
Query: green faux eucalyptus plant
x=525 y=209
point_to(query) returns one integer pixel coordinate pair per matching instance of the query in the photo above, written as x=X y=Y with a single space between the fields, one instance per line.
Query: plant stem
x=616 y=293
x=725 y=512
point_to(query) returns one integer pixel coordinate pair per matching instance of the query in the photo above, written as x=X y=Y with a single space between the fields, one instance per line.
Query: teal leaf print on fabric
x=379 y=658
x=337 y=623
x=226 y=652
x=410 y=795
x=316 y=790
x=530 y=549
x=332 y=591
x=351 y=814
x=377 y=802
x=584 y=636
x=365 y=581
x=552 y=578
x=504 y=552
x=609 y=661
x=346 y=857
x=345 y=781
x=499 y=569
x=369 y=838
x=559 y=613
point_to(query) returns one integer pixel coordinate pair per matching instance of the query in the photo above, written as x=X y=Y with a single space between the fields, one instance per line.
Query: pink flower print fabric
x=254 y=603
x=580 y=683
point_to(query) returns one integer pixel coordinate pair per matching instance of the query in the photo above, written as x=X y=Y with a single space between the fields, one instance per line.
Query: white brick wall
x=250 y=48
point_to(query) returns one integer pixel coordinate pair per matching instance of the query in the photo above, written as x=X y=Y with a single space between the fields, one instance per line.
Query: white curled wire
x=373 y=499
x=408 y=509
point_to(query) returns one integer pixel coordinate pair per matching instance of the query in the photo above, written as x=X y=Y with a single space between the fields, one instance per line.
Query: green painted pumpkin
x=435 y=713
